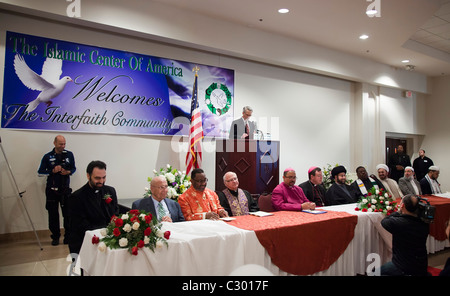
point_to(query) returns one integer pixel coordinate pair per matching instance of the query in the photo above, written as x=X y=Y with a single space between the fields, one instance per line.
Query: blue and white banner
x=63 y=86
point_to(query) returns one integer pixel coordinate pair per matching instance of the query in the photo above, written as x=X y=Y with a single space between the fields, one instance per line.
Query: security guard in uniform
x=58 y=165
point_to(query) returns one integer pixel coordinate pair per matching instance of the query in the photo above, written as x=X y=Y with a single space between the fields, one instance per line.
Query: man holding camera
x=409 y=236
x=57 y=165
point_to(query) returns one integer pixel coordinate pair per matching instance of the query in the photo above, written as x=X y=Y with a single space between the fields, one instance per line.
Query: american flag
x=194 y=155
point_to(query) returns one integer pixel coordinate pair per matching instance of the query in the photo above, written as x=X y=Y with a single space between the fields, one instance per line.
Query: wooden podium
x=255 y=162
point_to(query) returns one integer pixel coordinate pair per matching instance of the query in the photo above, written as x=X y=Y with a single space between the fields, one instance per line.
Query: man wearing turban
x=389 y=184
x=340 y=192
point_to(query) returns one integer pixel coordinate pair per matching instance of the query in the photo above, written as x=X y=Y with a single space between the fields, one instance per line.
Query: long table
x=217 y=248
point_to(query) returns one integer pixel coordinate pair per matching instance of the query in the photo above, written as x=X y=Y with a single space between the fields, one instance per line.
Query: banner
x=63 y=86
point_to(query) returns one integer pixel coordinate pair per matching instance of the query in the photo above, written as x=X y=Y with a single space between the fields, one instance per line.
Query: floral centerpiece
x=377 y=201
x=133 y=231
x=177 y=181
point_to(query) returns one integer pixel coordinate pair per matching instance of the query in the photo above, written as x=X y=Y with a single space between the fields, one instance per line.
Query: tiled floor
x=25 y=258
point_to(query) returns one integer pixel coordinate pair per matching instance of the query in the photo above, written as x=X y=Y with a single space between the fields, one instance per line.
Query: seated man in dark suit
x=429 y=184
x=234 y=200
x=313 y=188
x=340 y=192
x=164 y=209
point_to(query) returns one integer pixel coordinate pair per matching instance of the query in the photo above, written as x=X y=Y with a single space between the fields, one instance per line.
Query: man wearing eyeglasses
x=165 y=209
x=236 y=201
x=199 y=202
x=289 y=197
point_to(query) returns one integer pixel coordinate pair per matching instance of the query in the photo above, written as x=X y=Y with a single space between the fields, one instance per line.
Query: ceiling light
x=371 y=12
x=405 y=61
x=363 y=36
x=283 y=10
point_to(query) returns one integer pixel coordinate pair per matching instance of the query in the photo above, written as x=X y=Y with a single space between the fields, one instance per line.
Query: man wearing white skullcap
x=409 y=185
x=429 y=184
x=388 y=183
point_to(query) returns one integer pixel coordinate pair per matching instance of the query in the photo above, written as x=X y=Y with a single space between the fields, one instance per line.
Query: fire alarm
x=408 y=94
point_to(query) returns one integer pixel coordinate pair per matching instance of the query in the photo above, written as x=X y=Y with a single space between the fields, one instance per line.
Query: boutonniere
x=107 y=198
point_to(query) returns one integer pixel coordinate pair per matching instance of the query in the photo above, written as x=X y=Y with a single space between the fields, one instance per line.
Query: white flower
x=127 y=227
x=136 y=225
x=369 y=210
x=159 y=233
x=155 y=172
x=159 y=244
x=374 y=207
x=381 y=198
x=364 y=201
x=146 y=188
x=388 y=208
x=142 y=216
x=123 y=242
x=171 y=192
x=101 y=247
x=146 y=240
x=386 y=195
x=170 y=177
x=186 y=184
x=377 y=192
x=374 y=200
x=168 y=166
x=386 y=203
x=124 y=217
x=103 y=232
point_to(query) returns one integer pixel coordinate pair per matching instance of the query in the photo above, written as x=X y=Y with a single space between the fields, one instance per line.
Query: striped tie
x=161 y=212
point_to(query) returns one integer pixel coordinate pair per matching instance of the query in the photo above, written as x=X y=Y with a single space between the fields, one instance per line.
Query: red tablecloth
x=442 y=214
x=302 y=243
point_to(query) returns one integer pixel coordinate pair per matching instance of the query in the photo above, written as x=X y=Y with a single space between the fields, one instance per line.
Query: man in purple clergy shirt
x=289 y=197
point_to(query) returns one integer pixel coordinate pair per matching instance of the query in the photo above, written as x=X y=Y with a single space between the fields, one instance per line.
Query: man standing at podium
x=243 y=128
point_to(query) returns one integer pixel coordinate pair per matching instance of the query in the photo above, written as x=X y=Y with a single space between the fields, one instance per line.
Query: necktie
x=161 y=212
x=247 y=129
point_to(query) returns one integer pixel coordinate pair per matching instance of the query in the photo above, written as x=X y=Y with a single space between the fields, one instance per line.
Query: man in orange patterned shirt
x=199 y=202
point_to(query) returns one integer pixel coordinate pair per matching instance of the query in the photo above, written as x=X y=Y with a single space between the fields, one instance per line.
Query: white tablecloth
x=199 y=248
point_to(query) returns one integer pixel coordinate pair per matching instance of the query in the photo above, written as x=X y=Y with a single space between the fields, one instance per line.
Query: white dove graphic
x=48 y=83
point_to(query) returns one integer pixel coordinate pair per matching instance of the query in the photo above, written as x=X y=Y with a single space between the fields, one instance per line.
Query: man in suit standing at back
x=164 y=209
x=243 y=128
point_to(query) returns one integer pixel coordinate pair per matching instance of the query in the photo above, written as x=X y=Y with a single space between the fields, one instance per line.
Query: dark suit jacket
x=336 y=196
x=146 y=204
x=425 y=186
x=308 y=191
x=237 y=128
x=88 y=211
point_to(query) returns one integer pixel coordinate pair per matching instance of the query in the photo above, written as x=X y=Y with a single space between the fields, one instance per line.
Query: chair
x=265 y=203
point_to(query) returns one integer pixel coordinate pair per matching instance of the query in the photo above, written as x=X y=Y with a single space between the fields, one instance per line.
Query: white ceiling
x=418 y=30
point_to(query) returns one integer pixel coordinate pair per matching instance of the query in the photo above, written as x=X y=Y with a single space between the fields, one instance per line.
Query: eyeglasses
x=231 y=180
x=291 y=177
x=161 y=187
x=201 y=181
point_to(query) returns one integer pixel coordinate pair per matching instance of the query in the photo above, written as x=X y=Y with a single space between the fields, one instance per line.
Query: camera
x=425 y=210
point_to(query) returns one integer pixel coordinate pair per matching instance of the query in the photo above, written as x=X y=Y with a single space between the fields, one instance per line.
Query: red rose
x=134 y=219
x=116 y=232
x=113 y=218
x=364 y=210
x=95 y=240
x=148 y=218
x=167 y=234
x=134 y=212
x=134 y=251
x=108 y=200
x=356 y=209
x=118 y=222
x=140 y=244
x=147 y=231
x=369 y=194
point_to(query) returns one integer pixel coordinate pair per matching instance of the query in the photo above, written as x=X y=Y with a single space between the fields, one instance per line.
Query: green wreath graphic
x=209 y=103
